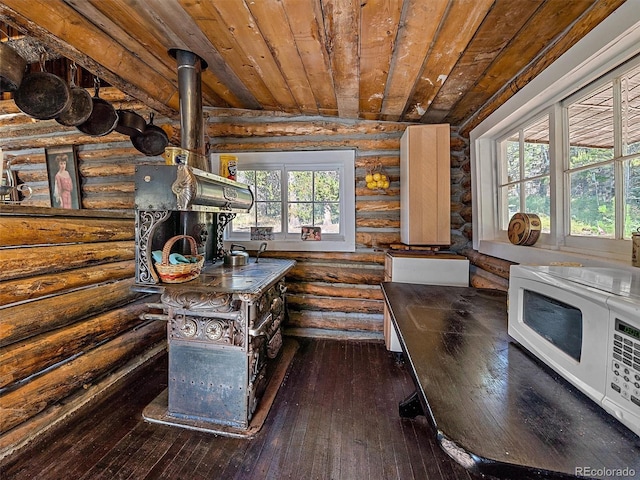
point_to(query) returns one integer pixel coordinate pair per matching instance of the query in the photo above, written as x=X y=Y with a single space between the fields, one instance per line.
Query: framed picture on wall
x=64 y=181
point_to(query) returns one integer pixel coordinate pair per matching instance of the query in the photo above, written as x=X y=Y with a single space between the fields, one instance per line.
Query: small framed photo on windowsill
x=261 y=233
x=64 y=181
x=309 y=234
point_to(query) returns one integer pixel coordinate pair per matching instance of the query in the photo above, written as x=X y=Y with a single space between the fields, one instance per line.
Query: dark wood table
x=495 y=408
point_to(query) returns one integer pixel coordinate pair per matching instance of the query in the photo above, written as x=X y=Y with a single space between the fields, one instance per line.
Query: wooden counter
x=497 y=410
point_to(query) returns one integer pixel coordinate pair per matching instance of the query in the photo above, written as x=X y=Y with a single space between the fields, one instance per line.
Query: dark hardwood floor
x=334 y=417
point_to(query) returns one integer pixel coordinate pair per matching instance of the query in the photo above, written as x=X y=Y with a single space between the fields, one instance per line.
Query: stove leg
x=411 y=407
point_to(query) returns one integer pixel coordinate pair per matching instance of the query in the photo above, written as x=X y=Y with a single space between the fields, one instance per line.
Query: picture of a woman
x=63 y=184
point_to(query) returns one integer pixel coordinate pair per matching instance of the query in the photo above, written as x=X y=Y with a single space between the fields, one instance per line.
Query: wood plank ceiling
x=427 y=61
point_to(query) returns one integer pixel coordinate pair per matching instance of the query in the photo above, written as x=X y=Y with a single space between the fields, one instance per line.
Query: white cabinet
x=429 y=269
x=425 y=185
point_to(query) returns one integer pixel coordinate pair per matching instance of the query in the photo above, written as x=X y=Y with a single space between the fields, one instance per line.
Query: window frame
x=342 y=160
x=613 y=42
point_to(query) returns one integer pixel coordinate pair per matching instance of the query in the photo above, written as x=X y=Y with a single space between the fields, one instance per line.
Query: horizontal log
x=377 y=222
x=22 y=359
x=61 y=310
x=377 y=239
x=371 y=161
x=304 y=127
x=116 y=187
x=227 y=144
x=335 y=321
x=494 y=265
x=383 y=195
x=61 y=414
x=23 y=403
x=25 y=262
x=331 y=273
x=49 y=230
x=480 y=278
x=333 y=304
x=118 y=202
x=391 y=205
x=367 y=292
x=105 y=169
x=8 y=210
x=29 y=288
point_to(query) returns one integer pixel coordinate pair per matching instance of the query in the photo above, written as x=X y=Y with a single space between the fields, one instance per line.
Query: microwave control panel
x=625 y=369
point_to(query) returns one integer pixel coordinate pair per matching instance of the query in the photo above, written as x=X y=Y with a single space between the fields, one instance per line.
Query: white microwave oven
x=584 y=323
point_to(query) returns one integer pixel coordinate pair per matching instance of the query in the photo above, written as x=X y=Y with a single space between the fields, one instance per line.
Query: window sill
x=544 y=255
x=295 y=246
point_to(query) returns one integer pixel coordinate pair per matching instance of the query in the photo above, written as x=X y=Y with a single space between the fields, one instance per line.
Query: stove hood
x=189 y=186
x=185 y=188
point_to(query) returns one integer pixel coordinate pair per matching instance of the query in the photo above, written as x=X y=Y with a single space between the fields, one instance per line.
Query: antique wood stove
x=223 y=327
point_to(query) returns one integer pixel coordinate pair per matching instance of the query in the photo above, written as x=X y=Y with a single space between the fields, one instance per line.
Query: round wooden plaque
x=524 y=228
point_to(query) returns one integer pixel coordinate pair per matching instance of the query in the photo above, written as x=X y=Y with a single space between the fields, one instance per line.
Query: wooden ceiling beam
x=600 y=10
x=501 y=24
x=184 y=34
x=57 y=25
x=462 y=19
x=305 y=22
x=537 y=36
x=342 y=24
x=379 y=29
x=418 y=26
x=271 y=19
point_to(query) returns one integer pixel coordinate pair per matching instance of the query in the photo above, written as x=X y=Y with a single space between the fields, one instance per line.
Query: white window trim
x=614 y=41
x=342 y=159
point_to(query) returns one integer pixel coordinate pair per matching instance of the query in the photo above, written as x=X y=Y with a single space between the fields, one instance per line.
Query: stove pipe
x=190 y=67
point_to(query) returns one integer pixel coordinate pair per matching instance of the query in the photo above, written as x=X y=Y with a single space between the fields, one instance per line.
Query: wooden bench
x=496 y=410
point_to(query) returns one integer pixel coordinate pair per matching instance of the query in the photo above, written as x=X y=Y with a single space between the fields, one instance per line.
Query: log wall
x=73 y=270
x=69 y=320
x=327 y=291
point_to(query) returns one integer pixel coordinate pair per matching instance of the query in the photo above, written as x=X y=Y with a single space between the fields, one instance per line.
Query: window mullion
x=523 y=205
x=284 y=187
x=618 y=174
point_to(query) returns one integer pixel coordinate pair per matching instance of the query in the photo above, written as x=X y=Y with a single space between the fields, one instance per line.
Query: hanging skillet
x=42 y=95
x=80 y=107
x=12 y=67
x=103 y=118
x=152 y=141
x=130 y=123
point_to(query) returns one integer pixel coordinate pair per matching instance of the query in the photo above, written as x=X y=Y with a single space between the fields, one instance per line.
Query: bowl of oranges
x=377 y=179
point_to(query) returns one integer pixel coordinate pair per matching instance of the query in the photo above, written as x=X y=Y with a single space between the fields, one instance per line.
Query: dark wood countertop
x=496 y=409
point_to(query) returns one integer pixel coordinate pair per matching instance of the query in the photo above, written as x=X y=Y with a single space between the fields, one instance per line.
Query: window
x=295 y=190
x=567 y=147
x=525 y=181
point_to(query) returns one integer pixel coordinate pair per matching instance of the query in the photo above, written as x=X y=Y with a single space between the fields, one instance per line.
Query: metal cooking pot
x=103 y=118
x=12 y=67
x=237 y=256
x=130 y=123
x=42 y=95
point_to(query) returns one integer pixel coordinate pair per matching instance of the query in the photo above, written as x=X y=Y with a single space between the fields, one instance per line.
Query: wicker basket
x=182 y=272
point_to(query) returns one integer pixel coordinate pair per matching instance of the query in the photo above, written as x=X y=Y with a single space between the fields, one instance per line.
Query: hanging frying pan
x=12 y=67
x=80 y=107
x=130 y=123
x=103 y=118
x=42 y=95
x=152 y=141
